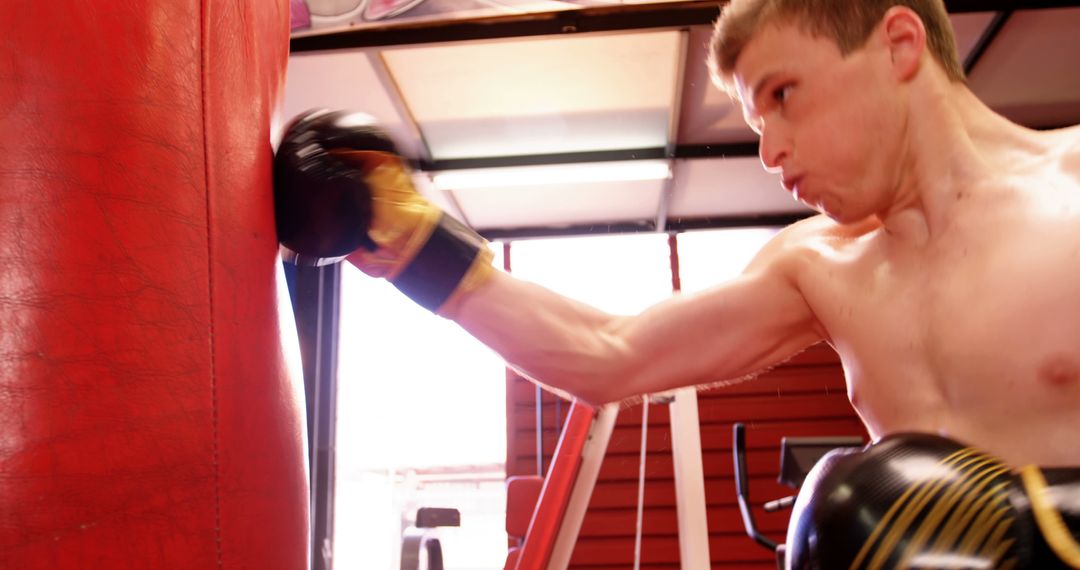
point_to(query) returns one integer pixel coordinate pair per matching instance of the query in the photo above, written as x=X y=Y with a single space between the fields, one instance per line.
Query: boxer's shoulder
x=788 y=246
x=821 y=234
x=1056 y=151
x=1069 y=141
x=1070 y=137
x=1050 y=189
x=820 y=242
x=812 y=253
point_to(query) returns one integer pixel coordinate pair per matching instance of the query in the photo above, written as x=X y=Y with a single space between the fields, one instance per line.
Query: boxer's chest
x=986 y=325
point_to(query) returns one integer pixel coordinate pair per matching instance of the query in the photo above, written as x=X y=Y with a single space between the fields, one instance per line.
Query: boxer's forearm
x=554 y=340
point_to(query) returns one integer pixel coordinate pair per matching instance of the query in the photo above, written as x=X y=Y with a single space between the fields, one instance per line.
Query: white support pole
x=689 y=480
x=592 y=456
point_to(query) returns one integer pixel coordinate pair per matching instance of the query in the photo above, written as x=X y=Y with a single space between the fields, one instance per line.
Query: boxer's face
x=829 y=123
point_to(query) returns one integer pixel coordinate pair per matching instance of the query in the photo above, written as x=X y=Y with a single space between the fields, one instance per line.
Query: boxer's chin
x=828 y=208
x=837 y=213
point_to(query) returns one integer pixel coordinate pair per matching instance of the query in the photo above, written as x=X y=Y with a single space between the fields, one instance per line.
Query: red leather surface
x=146 y=419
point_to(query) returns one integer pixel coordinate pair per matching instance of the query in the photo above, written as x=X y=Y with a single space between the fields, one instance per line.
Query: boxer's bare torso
x=954 y=303
x=970 y=331
x=974 y=333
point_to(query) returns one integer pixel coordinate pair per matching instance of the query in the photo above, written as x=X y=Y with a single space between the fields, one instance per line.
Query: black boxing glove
x=342 y=191
x=926 y=501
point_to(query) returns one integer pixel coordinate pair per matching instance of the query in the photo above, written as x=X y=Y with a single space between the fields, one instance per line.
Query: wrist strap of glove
x=453 y=260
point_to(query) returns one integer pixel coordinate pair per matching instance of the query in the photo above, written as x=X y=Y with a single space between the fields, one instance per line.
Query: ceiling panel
x=351 y=80
x=560 y=205
x=969 y=27
x=1031 y=72
x=727 y=187
x=708 y=115
x=540 y=96
x=326 y=15
x=619 y=90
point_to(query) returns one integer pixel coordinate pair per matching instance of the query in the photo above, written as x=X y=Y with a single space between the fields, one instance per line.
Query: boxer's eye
x=781 y=94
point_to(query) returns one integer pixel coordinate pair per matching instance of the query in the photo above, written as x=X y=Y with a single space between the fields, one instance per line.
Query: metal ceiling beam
x=667 y=189
x=717 y=150
x=614 y=18
x=393 y=91
x=727 y=222
x=542 y=159
x=964 y=6
x=674 y=224
x=510 y=234
x=584 y=20
x=730 y=150
x=985 y=39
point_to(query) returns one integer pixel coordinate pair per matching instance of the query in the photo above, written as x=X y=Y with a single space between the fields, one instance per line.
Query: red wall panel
x=804 y=397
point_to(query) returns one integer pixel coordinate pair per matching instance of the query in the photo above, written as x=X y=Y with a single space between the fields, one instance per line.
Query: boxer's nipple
x=1060 y=370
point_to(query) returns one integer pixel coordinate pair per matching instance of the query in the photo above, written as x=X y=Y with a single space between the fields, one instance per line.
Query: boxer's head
x=830 y=86
x=846 y=23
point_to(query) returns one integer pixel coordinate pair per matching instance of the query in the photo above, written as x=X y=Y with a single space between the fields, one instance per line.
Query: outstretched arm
x=342 y=192
x=726 y=332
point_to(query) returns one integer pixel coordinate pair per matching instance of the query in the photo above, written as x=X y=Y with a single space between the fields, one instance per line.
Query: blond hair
x=848 y=23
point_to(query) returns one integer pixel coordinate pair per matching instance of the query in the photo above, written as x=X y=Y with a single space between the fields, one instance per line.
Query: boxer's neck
x=954 y=146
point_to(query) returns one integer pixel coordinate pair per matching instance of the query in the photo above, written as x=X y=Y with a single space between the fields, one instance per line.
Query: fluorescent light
x=585 y=172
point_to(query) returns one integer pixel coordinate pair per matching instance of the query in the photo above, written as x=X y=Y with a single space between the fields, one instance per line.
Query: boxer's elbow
x=612 y=368
x=597 y=366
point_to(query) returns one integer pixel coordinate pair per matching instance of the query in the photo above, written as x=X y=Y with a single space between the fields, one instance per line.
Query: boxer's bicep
x=723 y=333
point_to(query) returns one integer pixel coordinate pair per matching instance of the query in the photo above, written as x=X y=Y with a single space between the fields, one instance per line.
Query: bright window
x=620 y=274
x=422 y=405
x=421 y=423
x=707 y=258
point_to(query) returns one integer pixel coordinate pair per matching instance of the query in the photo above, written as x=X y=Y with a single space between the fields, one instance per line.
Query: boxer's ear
x=904 y=35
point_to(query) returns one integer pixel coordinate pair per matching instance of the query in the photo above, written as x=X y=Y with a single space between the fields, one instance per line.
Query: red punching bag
x=146 y=417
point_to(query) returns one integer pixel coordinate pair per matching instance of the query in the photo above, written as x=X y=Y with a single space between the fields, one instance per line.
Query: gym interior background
x=586 y=141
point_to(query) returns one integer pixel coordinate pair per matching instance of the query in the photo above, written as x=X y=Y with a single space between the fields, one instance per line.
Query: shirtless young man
x=945 y=268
